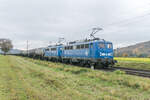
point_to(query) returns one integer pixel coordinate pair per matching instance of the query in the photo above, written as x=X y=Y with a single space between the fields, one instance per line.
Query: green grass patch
x=28 y=79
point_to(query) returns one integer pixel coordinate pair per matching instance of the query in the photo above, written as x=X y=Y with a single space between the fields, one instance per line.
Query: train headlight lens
x=110 y=54
x=106 y=54
x=102 y=54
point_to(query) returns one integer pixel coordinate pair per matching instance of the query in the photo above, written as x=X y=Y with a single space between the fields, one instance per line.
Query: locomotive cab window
x=109 y=46
x=101 y=45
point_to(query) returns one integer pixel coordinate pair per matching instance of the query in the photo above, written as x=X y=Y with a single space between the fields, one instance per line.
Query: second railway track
x=137 y=72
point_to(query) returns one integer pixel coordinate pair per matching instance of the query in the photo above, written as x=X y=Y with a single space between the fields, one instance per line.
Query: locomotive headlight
x=86 y=53
x=110 y=54
x=102 y=54
x=106 y=54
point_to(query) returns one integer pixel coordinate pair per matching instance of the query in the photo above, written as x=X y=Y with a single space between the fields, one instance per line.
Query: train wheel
x=70 y=61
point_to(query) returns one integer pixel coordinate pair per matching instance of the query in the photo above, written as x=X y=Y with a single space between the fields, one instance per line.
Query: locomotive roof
x=87 y=42
x=82 y=42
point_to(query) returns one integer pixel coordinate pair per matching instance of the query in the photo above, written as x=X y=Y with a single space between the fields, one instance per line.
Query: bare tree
x=5 y=45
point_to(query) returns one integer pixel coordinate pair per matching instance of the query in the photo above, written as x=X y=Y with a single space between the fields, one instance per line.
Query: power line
x=27 y=47
x=129 y=19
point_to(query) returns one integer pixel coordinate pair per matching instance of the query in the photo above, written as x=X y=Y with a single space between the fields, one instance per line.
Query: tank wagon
x=39 y=53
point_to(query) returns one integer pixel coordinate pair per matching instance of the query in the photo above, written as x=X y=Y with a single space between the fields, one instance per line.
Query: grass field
x=28 y=79
x=138 y=63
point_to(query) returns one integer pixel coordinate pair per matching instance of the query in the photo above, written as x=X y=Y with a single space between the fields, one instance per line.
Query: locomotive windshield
x=102 y=45
x=109 y=46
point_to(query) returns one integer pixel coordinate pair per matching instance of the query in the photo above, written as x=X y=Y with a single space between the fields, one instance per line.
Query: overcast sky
x=41 y=21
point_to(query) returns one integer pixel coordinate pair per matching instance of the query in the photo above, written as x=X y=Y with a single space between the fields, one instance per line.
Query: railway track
x=137 y=72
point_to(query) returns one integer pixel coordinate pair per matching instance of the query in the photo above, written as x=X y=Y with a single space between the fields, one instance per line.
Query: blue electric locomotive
x=53 y=53
x=98 y=53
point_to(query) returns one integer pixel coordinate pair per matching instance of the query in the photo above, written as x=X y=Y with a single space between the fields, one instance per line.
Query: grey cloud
x=41 y=21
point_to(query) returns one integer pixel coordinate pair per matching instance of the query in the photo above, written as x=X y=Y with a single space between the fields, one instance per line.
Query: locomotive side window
x=86 y=46
x=109 y=46
x=78 y=46
x=82 y=46
x=70 y=47
x=53 y=49
x=46 y=49
x=101 y=45
x=91 y=45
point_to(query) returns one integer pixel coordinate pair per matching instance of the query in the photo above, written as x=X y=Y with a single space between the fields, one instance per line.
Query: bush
x=119 y=72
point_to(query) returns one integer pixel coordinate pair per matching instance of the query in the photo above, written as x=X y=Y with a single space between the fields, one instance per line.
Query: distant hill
x=137 y=50
x=12 y=51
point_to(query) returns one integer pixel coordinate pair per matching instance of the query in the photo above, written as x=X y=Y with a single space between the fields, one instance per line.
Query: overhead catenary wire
x=129 y=20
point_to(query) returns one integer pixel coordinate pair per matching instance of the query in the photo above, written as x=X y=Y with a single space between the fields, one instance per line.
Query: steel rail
x=137 y=72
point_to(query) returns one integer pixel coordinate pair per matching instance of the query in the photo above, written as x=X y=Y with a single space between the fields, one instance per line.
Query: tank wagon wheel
x=56 y=60
x=65 y=61
x=70 y=62
x=82 y=64
x=62 y=61
x=47 y=59
x=105 y=66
